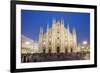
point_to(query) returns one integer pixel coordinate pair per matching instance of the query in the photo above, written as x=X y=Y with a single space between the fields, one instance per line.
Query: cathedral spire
x=47 y=37
x=40 y=38
x=47 y=27
x=68 y=28
x=68 y=32
x=54 y=21
x=41 y=31
x=68 y=38
x=74 y=32
x=62 y=21
x=74 y=38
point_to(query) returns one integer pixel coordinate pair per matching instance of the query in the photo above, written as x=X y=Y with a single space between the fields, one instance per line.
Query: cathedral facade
x=57 y=39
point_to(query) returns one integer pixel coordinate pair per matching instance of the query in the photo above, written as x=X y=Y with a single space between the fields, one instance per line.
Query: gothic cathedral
x=57 y=39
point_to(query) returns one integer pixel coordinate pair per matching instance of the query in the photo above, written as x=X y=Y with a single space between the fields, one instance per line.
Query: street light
x=27 y=43
x=85 y=42
x=84 y=46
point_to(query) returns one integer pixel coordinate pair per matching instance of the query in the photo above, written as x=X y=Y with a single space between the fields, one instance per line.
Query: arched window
x=49 y=50
x=71 y=50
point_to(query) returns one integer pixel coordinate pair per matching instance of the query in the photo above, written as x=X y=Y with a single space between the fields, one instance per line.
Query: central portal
x=58 y=49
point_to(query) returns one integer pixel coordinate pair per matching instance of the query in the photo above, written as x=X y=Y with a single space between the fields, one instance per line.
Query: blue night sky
x=32 y=20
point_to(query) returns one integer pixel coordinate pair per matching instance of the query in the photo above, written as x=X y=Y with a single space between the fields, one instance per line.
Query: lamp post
x=84 y=47
x=84 y=44
x=86 y=50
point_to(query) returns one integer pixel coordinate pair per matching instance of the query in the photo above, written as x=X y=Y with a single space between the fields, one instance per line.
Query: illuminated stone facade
x=57 y=39
x=28 y=45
